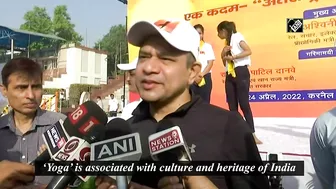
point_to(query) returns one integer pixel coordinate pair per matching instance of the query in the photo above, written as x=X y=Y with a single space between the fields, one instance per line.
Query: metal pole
x=12 y=48
x=60 y=100
x=127 y=58
x=115 y=65
x=86 y=39
x=124 y=74
x=28 y=47
x=124 y=90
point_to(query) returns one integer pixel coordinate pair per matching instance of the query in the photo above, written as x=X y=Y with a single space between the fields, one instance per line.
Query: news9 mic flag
x=55 y=137
x=124 y=148
x=169 y=141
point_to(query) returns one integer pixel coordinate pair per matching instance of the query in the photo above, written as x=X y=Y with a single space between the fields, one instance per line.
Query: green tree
x=115 y=43
x=63 y=27
x=38 y=20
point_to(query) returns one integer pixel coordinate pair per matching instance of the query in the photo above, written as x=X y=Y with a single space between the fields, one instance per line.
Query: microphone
x=84 y=124
x=168 y=144
x=76 y=124
x=76 y=149
x=80 y=121
x=124 y=146
x=54 y=138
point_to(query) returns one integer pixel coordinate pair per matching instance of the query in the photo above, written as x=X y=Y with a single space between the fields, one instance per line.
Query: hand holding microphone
x=15 y=174
x=192 y=182
x=105 y=182
x=84 y=125
x=42 y=149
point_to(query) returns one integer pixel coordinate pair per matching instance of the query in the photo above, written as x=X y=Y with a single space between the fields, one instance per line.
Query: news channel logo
x=294 y=25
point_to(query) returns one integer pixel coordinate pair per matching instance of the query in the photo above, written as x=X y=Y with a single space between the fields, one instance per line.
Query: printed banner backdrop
x=292 y=74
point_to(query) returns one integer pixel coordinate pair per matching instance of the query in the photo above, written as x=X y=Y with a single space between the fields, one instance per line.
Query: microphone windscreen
x=95 y=134
x=173 y=154
x=77 y=123
x=96 y=111
x=117 y=127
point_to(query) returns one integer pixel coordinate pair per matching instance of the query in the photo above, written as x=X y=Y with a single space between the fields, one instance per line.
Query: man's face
x=24 y=93
x=162 y=71
x=131 y=81
x=112 y=96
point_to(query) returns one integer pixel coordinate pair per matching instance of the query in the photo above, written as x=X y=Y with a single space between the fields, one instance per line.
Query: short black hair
x=21 y=65
x=190 y=60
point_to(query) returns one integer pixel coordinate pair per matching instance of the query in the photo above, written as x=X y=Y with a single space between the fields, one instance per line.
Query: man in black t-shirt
x=166 y=68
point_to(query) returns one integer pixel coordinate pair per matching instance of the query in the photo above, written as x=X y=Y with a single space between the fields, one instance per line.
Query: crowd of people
x=172 y=75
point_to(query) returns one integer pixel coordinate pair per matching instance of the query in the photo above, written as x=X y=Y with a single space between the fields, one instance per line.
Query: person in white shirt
x=113 y=106
x=206 y=58
x=130 y=68
x=236 y=59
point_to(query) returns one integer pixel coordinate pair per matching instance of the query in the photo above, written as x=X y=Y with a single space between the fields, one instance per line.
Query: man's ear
x=3 y=90
x=194 y=71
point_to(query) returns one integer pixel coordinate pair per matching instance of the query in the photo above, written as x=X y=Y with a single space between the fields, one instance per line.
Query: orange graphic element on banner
x=167 y=25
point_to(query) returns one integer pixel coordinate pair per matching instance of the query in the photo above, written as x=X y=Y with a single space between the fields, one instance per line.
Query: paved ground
x=289 y=137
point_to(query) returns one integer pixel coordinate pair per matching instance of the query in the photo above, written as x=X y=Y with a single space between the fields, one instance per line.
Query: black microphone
x=168 y=144
x=76 y=149
x=84 y=124
x=116 y=127
x=83 y=118
x=76 y=124
x=120 y=144
x=54 y=138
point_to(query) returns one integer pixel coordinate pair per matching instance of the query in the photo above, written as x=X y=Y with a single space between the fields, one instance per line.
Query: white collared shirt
x=236 y=49
x=113 y=103
x=206 y=54
x=128 y=109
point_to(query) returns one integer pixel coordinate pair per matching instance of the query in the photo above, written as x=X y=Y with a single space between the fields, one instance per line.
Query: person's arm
x=243 y=45
x=210 y=58
x=15 y=174
x=240 y=146
x=322 y=153
x=117 y=102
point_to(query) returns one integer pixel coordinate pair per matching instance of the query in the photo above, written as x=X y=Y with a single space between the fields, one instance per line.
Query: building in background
x=71 y=64
x=75 y=64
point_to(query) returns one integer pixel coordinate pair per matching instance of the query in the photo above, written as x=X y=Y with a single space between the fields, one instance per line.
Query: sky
x=92 y=19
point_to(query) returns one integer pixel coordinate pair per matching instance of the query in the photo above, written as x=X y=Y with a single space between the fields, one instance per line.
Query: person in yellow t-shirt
x=203 y=83
x=236 y=58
